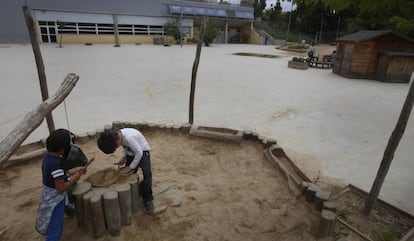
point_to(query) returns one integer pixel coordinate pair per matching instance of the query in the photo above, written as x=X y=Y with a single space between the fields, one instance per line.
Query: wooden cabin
x=375 y=54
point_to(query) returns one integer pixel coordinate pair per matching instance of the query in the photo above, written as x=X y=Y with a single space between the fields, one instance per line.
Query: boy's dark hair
x=58 y=140
x=107 y=142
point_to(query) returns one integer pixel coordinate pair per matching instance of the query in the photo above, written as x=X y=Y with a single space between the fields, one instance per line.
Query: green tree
x=377 y=14
x=173 y=29
x=273 y=13
x=258 y=7
x=211 y=32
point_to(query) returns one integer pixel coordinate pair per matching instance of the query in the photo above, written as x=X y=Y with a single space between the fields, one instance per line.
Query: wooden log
x=310 y=192
x=80 y=189
x=124 y=195
x=82 y=138
x=98 y=218
x=133 y=182
x=112 y=213
x=327 y=224
x=117 y=125
x=329 y=205
x=87 y=214
x=320 y=197
x=34 y=118
x=33 y=33
x=25 y=157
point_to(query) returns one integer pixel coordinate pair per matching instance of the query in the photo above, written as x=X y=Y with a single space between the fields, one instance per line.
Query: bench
x=320 y=64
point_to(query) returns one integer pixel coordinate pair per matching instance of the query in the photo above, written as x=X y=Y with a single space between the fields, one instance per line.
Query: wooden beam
x=34 y=118
x=31 y=27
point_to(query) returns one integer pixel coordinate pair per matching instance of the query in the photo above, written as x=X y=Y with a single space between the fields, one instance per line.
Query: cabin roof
x=397 y=53
x=369 y=34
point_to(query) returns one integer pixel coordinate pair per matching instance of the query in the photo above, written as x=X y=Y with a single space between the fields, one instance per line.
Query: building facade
x=135 y=21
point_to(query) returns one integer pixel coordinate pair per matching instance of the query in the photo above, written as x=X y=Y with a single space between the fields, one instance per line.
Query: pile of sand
x=222 y=191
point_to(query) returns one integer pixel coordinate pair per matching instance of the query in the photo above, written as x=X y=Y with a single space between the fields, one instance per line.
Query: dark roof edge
x=344 y=38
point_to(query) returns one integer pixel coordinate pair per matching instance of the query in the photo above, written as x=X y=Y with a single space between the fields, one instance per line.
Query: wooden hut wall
x=343 y=60
x=382 y=67
x=396 y=69
x=364 y=60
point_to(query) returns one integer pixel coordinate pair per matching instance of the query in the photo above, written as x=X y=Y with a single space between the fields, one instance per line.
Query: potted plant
x=298 y=63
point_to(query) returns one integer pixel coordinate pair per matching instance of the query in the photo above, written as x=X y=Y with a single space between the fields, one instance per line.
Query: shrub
x=298 y=59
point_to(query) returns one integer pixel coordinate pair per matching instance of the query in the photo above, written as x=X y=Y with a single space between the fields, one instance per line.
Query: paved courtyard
x=331 y=126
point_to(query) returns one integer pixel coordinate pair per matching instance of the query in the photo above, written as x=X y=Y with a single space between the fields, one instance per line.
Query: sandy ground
x=332 y=127
x=228 y=192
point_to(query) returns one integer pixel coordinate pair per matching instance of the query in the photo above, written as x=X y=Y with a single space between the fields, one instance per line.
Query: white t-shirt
x=134 y=144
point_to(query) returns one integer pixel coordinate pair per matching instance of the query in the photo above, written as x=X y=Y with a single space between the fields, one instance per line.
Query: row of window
x=47 y=28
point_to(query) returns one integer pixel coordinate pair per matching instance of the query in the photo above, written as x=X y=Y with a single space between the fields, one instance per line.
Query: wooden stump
x=80 y=189
x=330 y=205
x=310 y=192
x=87 y=215
x=124 y=195
x=98 y=219
x=133 y=182
x=327 y=224
x=320 y=197
x=112 y=213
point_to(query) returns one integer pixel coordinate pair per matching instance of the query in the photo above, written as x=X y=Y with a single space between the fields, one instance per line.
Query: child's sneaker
x=149 y=208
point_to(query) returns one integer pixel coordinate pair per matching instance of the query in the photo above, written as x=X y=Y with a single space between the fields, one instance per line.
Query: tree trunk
x=390 y=150
x=195 y=68
x=34 y=118
x=31 y=27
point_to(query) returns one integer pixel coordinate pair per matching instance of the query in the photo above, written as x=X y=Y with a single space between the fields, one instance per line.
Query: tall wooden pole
x=390 y=149
x=31 y=27
x=195 y=68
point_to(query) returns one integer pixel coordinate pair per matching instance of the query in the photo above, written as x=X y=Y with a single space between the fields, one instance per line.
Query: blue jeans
x=145 y=187
x=54 y=231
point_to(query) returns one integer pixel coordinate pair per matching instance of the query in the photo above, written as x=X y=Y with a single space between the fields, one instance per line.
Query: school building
x=136 y=21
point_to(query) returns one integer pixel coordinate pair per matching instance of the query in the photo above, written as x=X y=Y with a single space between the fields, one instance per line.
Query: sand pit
x=213 y=190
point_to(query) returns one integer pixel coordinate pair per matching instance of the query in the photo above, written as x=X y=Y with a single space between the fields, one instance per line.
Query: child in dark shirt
x=56 y=182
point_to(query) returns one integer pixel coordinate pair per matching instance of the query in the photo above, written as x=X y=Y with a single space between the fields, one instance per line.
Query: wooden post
x=329 y=205
x=124 y=195
x=327 y=224
x=87 y=213
x=310 y=192
x=112 y=213
x=31 y=27
x=34 y=118
x=320 y=197
x=133 y=182
x=116 y=31
x=80 y=189
x=98 y=219
x=390 y=149
x=195 y=68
